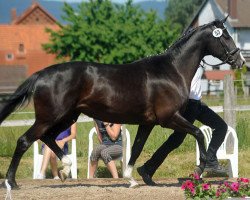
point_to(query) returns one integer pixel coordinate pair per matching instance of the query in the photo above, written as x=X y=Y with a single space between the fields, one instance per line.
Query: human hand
x=61 y=143
x=106 y=124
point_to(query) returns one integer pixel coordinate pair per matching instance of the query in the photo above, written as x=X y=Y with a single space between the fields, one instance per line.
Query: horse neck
x=188 y=56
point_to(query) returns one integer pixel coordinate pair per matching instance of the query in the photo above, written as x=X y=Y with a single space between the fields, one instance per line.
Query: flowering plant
x=198 y=189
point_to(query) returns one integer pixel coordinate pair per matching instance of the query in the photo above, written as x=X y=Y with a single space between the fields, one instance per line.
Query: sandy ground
x=101 y=189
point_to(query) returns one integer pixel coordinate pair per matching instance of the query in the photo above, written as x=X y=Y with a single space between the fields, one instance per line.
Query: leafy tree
x=182 y=11
x=240 y=82
x=104 y=32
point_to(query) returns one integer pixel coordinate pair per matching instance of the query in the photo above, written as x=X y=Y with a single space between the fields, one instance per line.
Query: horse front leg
x=179 y=123
x=66 y=162
x=140 y=139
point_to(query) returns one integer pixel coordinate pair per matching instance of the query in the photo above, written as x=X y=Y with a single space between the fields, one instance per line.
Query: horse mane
x=187 y=34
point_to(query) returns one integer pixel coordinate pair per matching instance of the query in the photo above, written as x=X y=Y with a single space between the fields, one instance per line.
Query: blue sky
x=117 y=1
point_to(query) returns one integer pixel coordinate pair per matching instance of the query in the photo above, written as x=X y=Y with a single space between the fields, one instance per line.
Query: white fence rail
x=29 y=122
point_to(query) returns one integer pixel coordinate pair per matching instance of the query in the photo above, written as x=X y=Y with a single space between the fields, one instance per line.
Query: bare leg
x=112 y=168
x=92 y=169
x=53 y=161
x=53 y=165
x=66 y=162
x=46 y=159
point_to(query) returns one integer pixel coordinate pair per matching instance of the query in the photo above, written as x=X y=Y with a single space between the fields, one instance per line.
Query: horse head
x=222 y=45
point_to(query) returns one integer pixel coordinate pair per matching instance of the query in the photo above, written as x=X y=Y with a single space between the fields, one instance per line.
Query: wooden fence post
x=229 y=108
x=124 y=144
x=229 y=102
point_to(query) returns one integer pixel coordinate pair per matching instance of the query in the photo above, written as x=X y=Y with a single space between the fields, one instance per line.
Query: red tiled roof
x=218 y=74
x=32 y=10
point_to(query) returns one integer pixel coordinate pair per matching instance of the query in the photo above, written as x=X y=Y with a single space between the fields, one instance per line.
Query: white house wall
x=244 y=39
x=209 y=13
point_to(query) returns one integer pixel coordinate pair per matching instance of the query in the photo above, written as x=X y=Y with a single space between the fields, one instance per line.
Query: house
x=21 y=52
x=238 y=25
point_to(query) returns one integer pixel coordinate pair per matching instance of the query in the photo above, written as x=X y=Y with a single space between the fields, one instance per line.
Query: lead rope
x=8 y=188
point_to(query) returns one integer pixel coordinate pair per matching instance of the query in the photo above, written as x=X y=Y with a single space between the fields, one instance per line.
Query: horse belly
x=123 y=115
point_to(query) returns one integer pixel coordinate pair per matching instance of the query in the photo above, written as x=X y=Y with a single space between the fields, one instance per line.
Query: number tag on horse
x=217 y=32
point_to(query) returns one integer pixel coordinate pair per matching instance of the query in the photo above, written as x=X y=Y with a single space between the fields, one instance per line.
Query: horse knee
x=175 y=140
x=23 y=144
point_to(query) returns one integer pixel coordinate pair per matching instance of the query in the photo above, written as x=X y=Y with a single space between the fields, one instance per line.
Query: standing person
x=49 y=156
x=195 y=110
x=110 y=148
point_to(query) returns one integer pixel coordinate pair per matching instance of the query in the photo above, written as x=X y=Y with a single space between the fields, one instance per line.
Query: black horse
x=147 y=92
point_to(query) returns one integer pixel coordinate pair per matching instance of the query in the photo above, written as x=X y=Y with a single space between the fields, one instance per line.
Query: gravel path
x=97 y=189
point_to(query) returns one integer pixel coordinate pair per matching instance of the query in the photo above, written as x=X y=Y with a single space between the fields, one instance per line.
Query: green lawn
x=180 y=163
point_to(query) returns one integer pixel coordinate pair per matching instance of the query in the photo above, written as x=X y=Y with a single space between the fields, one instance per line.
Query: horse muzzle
x=239 y=62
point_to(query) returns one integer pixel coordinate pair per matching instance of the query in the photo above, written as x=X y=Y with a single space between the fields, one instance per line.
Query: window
x=21 y=48
x=9 y=56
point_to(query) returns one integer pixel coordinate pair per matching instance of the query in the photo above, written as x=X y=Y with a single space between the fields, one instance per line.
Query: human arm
x=99 y=136
x=70 y=137
x=113 y=131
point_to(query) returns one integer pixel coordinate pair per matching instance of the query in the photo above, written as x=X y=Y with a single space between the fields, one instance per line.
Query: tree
x=109 y=33
x=182 y=11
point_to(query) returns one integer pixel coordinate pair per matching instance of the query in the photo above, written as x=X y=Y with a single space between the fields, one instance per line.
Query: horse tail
x=22 y=94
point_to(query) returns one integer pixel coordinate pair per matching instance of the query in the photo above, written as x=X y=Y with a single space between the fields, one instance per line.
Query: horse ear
x=224 y=20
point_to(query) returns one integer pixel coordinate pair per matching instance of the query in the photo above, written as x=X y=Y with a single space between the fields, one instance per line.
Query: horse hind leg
x=140 y=139
x=181 y=124
x=23 y=144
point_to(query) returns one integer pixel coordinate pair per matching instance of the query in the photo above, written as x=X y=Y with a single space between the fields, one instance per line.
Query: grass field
x=179 y=163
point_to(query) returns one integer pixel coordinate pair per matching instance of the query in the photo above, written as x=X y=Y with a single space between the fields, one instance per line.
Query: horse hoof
x=13 y=185
x=133 y=183
x=198 y=171
x=62 y=175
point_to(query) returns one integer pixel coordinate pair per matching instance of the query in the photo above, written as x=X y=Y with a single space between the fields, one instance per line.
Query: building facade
x=21 y=52
x=238 y=25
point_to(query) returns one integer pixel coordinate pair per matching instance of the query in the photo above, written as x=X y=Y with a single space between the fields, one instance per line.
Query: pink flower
x=218 y=193
x=205 y=186
x=196 y=176
x=226 y=184
x=192 y=190
x=244 y=180
x=235 y=186
x=223 y=190
x=189 y=184
x=183 y=186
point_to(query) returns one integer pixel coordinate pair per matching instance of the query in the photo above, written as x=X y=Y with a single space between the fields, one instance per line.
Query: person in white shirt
x=195 y=110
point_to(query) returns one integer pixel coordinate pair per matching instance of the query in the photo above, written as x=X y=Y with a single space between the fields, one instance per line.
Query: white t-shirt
x=195 y=89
